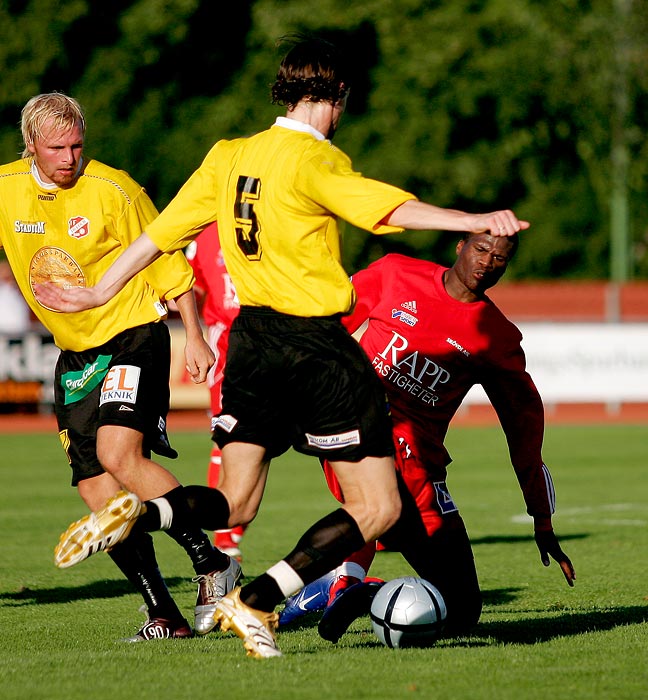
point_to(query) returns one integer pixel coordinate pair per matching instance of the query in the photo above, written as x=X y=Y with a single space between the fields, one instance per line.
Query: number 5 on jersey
x=248 y=190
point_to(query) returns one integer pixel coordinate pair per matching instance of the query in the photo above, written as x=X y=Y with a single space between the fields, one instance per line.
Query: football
x=408 y=612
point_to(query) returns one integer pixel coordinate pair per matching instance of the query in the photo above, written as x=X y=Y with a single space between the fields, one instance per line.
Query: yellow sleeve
x=170 y=275
x=361 y=201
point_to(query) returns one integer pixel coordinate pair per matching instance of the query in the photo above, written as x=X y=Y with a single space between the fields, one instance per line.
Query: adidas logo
x=410 y=306
x=125 y=408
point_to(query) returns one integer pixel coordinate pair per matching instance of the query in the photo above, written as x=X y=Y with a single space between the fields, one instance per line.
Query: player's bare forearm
x=139 y=254
x=417 y=215
x=198 y=355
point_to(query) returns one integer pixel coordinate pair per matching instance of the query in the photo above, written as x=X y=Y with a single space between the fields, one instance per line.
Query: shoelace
x=208 y=584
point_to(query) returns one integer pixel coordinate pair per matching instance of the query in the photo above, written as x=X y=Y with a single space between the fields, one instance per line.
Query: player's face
x=57 y=154
x=481 y=261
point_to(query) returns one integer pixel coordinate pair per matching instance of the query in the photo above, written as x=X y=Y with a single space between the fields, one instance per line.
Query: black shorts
x=301 y=382
x=123 y=382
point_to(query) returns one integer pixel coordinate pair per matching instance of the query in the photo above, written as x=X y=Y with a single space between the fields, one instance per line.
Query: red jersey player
x=431 y=333
x=219 y=307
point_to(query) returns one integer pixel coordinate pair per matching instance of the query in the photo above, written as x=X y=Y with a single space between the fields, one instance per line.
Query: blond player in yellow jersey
x=293 y=376
x=64 y=219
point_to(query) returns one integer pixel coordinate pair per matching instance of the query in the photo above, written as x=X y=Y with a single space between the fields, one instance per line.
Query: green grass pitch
x=538 y=638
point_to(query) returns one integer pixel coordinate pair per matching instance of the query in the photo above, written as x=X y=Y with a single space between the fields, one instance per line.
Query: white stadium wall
x=585 y=362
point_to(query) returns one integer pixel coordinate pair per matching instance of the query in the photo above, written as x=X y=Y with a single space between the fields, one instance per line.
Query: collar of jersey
x=299 y=126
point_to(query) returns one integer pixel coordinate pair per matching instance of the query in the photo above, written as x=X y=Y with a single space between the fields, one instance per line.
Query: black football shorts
x=123 y=382
x=301 y=382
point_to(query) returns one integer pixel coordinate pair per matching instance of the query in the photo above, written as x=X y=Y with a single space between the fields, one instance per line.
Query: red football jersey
x=206 y=259
x=219 y=303
x=430 y=349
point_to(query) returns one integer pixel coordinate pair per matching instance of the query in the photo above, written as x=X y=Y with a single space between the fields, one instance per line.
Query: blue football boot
x=312 y=598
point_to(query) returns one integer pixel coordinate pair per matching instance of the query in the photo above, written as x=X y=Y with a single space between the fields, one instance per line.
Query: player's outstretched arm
x=549 y=547
x=417 y=215
x=139 y=254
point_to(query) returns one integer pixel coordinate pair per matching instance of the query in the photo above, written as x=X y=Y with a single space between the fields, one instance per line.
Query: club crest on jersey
x=404 y=317
x=78 y=227
x=121 y=384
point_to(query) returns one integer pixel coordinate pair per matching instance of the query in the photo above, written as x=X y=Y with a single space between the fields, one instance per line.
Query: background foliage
x=537 y=105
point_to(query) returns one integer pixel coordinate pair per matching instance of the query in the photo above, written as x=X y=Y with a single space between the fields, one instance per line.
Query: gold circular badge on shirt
x=54 y=265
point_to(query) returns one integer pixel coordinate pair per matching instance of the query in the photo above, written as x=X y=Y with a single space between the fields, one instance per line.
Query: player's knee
x=381 y=515
x=111 y=460
x=242 y=512
x=116 y=461
x=391 y=514
x=242 y=519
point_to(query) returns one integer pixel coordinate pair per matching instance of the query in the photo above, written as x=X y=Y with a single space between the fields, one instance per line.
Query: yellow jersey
x=71 y=236
x=277 y=197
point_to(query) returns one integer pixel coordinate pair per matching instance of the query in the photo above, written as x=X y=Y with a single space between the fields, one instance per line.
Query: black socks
x=321 y=548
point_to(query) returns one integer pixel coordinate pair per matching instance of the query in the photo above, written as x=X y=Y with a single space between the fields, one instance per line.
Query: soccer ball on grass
x=408 y=612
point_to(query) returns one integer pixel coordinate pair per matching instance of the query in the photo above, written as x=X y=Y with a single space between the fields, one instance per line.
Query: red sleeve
x=368 y=285
x=519 y=408
x=194 y=255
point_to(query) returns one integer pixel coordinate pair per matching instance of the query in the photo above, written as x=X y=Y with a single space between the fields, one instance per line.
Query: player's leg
x=356 y=566
x=431 y=536
x=309 y=391
x=372 y=506
x=318 y=594
x=133 y=401
x=125 y=439
x=353 y=570
x=433 y=539
x=136 y=556
x=226 y=539
x=448 y=564
x=120 y=450
x=321 y=593
x=216 y=573
x=136 y=559
x=341 y=413
x=248 y=611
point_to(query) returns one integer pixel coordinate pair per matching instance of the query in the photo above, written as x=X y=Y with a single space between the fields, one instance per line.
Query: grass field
x=538 y=638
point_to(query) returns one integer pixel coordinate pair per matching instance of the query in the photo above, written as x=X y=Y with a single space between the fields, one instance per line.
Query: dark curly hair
x=314 y=69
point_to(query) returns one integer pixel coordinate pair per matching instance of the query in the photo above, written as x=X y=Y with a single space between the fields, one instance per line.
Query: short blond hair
x=65 y=112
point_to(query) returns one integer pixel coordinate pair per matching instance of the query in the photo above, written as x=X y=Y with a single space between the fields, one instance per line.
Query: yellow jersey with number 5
x=277 y=197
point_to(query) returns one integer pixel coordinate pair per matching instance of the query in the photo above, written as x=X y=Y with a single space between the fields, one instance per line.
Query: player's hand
x=70 y=299
x=199 y=359
x=549 y=547
x=498 y=223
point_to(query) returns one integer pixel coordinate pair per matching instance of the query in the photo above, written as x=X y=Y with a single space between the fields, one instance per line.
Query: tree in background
x=469 y=103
